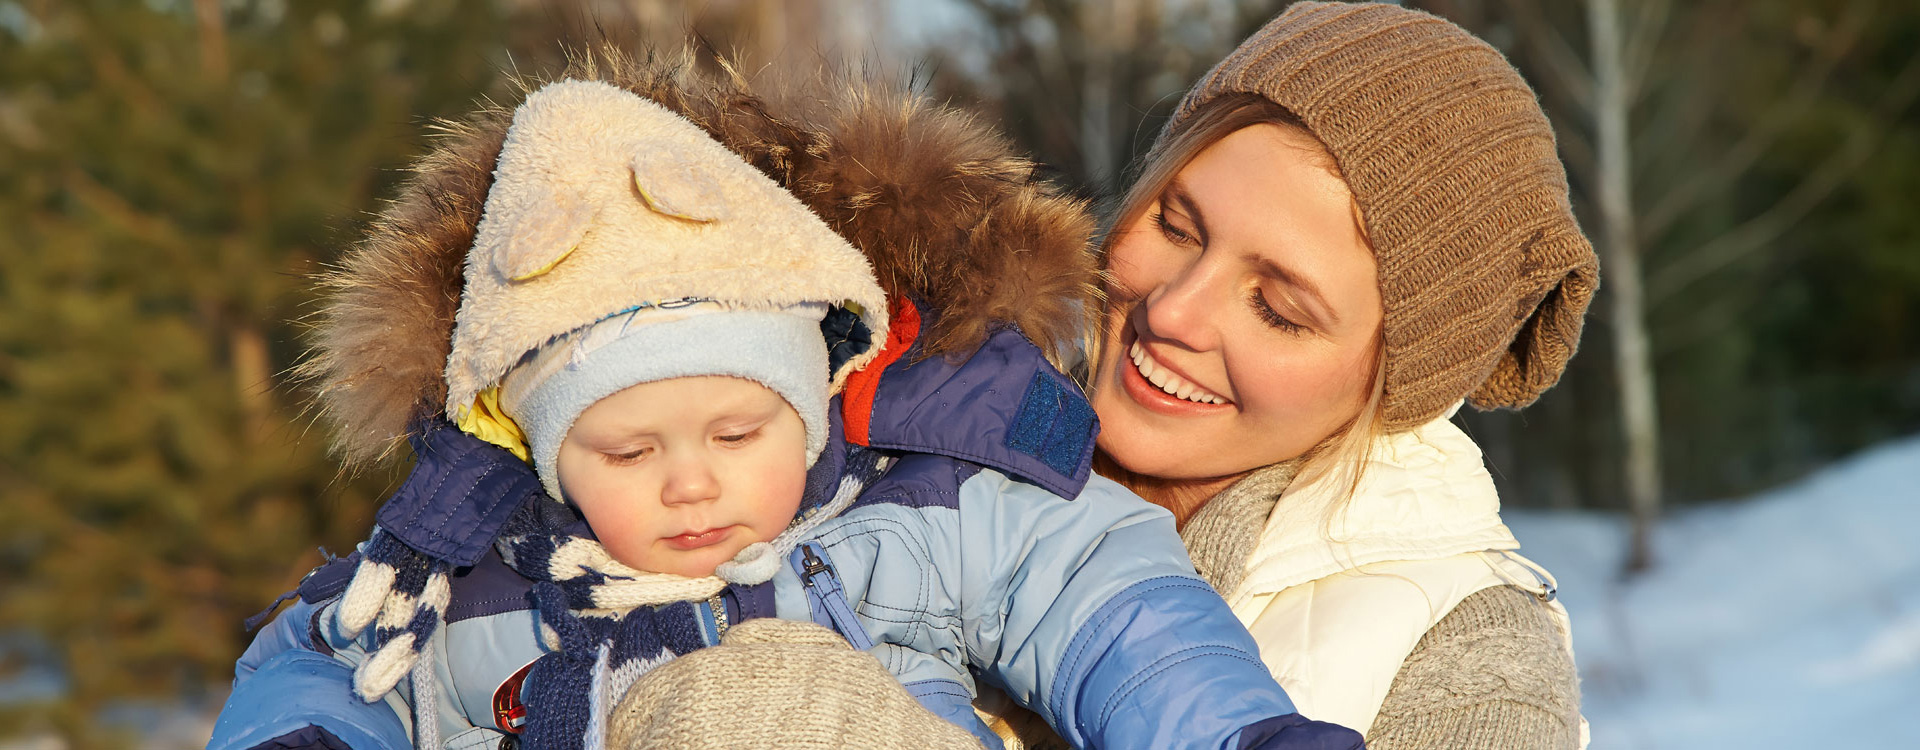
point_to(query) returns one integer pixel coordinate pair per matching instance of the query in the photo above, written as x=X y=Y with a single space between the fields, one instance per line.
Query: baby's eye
x=630 y=457
x=740 y=438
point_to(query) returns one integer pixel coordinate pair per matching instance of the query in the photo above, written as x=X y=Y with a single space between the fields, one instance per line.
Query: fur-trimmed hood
x=941 y=204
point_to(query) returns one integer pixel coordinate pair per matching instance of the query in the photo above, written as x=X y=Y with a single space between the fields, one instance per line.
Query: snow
x=1787 y=620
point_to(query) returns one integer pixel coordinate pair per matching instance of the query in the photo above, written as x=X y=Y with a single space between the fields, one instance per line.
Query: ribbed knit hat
x=781 y=349
x=1484 y=274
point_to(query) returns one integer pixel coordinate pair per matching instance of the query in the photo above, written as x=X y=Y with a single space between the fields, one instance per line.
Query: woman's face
x=1243 y=313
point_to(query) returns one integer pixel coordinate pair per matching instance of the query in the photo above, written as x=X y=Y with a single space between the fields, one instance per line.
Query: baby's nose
x=689 y=481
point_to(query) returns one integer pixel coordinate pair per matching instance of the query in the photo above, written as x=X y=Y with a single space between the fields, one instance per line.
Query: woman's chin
x=1142 y=451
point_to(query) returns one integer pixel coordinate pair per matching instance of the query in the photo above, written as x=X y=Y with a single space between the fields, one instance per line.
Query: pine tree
x=175 y=175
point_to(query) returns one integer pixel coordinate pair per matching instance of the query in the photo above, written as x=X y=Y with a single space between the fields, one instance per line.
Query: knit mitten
x=446 y=515
x=777 y=683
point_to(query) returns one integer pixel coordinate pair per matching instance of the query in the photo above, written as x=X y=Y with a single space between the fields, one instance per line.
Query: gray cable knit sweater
x=1491 y=675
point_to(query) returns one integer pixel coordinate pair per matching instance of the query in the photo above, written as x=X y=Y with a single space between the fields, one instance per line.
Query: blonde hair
x=1342 y=455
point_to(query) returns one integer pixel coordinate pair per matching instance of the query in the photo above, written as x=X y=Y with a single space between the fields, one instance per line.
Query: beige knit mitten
x=777 y=683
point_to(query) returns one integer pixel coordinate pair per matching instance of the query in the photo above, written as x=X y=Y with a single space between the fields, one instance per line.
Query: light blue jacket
x=987 y=553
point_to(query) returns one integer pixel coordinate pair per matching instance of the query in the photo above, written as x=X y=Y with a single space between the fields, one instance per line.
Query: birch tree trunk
x=1633 y=363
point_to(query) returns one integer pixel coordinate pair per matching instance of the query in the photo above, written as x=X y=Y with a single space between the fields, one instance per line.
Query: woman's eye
x=1270 y=316
x=1173 y=233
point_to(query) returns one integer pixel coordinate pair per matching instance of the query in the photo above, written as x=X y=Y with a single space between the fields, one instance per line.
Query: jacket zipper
x=825 y=596
x=720 y=624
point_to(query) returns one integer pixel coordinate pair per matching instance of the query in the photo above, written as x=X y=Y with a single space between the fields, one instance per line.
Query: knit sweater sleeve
x=1493 y=674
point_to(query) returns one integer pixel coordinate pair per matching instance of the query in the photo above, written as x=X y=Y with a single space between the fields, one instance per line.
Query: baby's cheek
x=781 y=503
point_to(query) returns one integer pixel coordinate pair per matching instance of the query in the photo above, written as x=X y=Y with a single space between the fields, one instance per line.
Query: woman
x=1355 y=221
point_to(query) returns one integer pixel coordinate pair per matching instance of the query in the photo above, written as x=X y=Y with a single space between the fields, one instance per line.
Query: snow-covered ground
x=1787 y=620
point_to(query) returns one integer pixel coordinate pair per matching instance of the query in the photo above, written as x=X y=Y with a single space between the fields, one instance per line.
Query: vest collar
x=1424 y=494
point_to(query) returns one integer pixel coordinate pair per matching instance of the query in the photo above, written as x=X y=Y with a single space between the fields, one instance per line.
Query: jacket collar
x=1003 y=407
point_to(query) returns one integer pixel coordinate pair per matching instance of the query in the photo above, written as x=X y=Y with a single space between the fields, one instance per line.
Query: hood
x=940 y=204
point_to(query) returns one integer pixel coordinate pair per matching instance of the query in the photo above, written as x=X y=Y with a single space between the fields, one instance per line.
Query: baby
x=655 y=333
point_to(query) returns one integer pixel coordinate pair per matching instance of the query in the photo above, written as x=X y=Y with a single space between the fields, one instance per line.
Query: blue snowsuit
x=987 y=552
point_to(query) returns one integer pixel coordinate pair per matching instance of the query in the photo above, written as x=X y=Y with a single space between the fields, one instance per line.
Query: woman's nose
x=690 y=479
x=1182 y=309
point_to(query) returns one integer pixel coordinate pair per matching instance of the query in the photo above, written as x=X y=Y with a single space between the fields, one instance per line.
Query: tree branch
x=1570 y=76
x=213 y=39
x=1642 y=39
x=102 y=200
x=1755 y=233
x=1681 y=198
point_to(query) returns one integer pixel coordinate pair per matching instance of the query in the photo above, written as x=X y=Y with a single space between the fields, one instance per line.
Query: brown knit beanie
x=1484 y=273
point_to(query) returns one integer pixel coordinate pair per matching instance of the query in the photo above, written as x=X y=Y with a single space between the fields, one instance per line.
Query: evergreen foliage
x=174 y=179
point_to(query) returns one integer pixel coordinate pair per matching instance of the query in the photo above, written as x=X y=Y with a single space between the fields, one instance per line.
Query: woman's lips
x=697 y=539
x=1151 y=397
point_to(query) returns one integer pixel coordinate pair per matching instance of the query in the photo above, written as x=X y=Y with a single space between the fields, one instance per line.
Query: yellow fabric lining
x=485 y=420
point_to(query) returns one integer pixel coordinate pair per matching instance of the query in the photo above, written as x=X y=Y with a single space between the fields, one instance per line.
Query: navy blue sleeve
x=304 y=738
x=1296 y=732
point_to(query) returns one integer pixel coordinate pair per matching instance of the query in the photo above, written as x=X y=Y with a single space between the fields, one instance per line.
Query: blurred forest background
x=176 y=171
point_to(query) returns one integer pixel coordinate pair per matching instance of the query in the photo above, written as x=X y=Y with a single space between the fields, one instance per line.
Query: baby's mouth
x=698 y=539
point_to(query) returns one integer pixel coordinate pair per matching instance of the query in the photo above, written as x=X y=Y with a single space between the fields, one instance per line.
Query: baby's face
x=677 y=476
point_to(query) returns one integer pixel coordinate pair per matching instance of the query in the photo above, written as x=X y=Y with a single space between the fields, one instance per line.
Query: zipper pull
x=811 y=564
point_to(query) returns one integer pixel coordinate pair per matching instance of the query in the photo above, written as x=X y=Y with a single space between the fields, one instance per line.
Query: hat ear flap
x=1548 y=335
x=673 y=185
x=543 y=236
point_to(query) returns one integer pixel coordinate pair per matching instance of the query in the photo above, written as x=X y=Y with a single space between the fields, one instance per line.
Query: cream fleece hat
x=604 y=202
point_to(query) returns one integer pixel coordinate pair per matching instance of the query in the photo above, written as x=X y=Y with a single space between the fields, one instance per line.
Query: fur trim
x=940 y=204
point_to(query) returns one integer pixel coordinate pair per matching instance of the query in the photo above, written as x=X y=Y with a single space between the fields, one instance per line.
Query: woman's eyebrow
x=1177 y=193
x=1310 y=293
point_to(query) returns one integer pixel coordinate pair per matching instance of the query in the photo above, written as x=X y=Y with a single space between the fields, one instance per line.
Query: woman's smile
x=1159 y=389
x=1163 y=377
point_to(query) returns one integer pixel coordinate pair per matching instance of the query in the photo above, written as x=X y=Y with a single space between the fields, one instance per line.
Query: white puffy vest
x=1337 y=597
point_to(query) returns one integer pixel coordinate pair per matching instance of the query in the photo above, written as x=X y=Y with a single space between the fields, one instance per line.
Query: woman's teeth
x=1165 y=380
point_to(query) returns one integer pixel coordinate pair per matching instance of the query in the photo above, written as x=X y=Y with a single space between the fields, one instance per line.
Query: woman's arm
x=1087 y=611
x=1492 y=674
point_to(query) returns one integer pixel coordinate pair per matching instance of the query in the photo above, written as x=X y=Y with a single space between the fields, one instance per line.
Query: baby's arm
x=1088 y=612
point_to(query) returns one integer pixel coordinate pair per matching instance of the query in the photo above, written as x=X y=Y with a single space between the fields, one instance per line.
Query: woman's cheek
x=1278 y=389
x=1136 y=266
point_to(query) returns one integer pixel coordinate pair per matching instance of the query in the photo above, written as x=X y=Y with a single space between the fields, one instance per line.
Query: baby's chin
x=698 y=563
